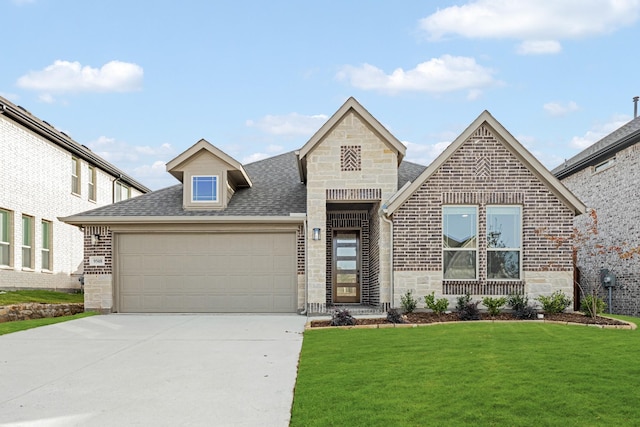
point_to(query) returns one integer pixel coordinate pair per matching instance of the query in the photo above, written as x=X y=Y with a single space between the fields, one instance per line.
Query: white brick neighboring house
x=344 y=221
x=46 y=175
x=606 y=177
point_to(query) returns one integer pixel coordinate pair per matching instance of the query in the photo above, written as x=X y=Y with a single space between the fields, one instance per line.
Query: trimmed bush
x=556 y=303
x=437 y=306
x=342 y=318
x=494 y=304
x=408 y=302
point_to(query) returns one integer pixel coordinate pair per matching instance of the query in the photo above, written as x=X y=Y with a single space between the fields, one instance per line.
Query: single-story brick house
x=343 y=220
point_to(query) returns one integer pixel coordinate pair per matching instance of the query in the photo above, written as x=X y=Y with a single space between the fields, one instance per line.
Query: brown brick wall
x=102 y=248
x=482 y=172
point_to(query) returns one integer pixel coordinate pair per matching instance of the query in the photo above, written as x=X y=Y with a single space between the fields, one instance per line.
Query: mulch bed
x=424 y=317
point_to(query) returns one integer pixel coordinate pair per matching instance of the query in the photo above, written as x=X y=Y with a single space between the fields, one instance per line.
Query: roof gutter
x=138 y=220
x=593 y=158
x=68 y=144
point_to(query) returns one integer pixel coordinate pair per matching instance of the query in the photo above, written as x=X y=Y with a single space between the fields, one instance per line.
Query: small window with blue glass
x=204 y=188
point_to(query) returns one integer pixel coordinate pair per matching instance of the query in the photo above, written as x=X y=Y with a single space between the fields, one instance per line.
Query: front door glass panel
x=346 y=266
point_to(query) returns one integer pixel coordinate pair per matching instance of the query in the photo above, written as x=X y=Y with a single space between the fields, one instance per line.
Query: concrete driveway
x=152 y=370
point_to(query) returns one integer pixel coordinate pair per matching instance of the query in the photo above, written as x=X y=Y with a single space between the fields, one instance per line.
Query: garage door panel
x=212 y=272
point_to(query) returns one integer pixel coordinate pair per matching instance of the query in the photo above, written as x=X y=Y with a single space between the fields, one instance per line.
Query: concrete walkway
x=152 y=370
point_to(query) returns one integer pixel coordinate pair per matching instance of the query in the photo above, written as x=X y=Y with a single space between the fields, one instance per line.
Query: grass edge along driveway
x=480 y=374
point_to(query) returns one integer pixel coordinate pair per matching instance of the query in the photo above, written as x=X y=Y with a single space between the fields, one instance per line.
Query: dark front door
x=346 y=266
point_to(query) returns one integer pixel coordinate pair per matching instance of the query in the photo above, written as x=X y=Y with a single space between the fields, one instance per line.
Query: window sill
x=46 y=271
x=6 y=267
x=76 y=194
x=31 y=270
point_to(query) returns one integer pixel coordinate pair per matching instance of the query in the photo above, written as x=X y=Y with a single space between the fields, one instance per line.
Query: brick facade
x=613 y=192
x=36 y=181
x=481 y=172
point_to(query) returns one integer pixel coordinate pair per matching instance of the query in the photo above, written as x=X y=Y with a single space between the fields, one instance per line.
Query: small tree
x=408 y=302
x=586 y=239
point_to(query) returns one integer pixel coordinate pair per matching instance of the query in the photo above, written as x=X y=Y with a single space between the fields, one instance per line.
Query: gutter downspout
x=113 y=188
x=304 y=312
x=391 y=284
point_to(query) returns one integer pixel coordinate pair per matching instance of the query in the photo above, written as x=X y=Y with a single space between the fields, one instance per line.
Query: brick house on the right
x=606 y=177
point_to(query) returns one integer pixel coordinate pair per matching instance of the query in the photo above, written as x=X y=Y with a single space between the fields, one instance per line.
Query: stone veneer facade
x=482 y=172
x=613 y=192
x=351 y=164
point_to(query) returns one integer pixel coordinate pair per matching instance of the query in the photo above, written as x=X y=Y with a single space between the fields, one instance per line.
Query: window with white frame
x=460 y=242
x=504 y=242
x=121 y=192
x=46 y=244
x=27 y=241
x=75 y=175
x=5 y=237
x=91 y=185
x=204 y=188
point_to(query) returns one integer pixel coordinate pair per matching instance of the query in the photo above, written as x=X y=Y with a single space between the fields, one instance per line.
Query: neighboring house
x=606 y=176
x=344 y=220
x=44 y=174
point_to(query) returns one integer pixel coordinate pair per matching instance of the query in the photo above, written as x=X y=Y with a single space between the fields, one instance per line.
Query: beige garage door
x=200 y=273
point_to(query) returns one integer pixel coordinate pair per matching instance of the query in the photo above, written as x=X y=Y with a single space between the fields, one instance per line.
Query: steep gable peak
x=235 y=169
x=484 y=125
x=351 y=105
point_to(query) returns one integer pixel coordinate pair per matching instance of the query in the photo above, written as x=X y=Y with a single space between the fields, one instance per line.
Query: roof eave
x=47 y=131
x=80 y=220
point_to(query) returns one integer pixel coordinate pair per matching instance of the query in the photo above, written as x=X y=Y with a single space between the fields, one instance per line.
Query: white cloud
x=69 y=77
x=532 y=21
x=438 y=75
x=424 y=154
x=558 y=109
x=289 y=124
x=539 y=47
x=598 y=132
x=143 y=162
x=271 y=151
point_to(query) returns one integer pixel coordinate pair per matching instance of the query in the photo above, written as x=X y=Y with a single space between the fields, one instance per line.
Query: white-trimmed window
x=504 y=242
x=204 y=188
x=27 y=241
x=75 y=175
x=91 y=185
x=121 y=192
x=460 y=242
x=5 y=237
x=47 y=234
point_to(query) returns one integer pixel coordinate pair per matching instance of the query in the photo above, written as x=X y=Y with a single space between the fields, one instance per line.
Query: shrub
x=494 y=304
x=467 y=309
x=520 y=306
x=437 y=306
x=556 y=303
x=517 y=301
x=408 y=302
x=592 y=305
x=394 y=316
x=342 y=318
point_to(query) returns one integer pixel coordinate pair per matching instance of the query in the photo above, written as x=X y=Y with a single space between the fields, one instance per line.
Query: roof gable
x=521 y=153
x=350 y=105
x=177 y=166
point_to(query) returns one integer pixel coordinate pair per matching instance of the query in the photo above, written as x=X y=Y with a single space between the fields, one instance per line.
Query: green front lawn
x=23 y=325
x=38 y=295
x=480 y=374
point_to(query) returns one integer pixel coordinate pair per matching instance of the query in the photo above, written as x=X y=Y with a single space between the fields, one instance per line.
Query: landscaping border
x=37 y=310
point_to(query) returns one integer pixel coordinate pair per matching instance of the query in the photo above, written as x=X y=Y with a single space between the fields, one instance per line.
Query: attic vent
x=350 y=158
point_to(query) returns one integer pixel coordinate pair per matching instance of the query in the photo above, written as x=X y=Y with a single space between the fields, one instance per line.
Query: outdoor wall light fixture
x=316 y=234
x=95 y=238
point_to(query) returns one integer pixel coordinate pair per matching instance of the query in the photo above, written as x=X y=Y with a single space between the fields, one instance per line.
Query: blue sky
x=141 y=81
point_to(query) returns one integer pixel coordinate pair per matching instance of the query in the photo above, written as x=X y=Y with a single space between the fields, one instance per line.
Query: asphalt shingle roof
x=600 y=149
x=276 y=191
